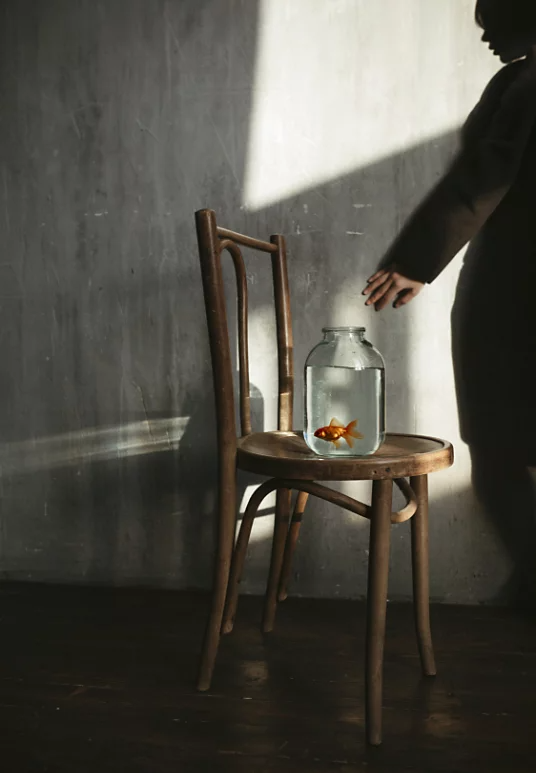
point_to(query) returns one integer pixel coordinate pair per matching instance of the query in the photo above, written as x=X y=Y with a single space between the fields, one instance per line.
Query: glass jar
x=344 y=395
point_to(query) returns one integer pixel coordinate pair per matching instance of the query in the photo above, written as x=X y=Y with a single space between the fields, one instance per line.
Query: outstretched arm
x=495 y=139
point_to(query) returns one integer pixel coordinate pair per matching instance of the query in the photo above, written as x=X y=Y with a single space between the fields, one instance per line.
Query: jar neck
x=344 y=333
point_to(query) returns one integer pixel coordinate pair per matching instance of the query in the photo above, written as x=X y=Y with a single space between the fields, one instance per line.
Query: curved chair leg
x=237 y=566
x=378 y=574
x=421 y=582
x=226 y=533
x=282 y=514
x=290 y=546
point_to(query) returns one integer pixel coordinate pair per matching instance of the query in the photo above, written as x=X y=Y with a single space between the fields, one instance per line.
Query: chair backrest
x=213 y=242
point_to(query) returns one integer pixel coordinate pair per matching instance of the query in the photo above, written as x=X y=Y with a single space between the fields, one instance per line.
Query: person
x=487 y=198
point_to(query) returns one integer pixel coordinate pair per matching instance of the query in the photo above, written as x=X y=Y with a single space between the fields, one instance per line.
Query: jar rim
x=343 y=329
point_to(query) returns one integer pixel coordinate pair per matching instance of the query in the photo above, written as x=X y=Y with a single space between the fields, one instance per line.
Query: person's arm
x=477 y=181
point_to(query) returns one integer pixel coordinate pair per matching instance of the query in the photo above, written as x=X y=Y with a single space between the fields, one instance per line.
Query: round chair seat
x=286 y=455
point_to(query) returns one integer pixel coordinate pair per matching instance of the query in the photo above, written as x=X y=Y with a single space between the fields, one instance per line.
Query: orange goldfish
x=335 y=431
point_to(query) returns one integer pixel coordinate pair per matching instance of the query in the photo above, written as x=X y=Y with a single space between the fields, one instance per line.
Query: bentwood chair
x=286 y=460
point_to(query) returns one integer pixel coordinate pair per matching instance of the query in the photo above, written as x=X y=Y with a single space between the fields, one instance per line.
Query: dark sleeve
x=493 y=143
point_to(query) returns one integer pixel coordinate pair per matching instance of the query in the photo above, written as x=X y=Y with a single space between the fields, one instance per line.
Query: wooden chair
x=285 y=459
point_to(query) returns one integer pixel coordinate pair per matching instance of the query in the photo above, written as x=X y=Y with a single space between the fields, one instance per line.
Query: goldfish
x=335 y=431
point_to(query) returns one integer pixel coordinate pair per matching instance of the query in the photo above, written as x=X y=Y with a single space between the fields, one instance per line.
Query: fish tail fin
x=351 y=430
x=349 y=439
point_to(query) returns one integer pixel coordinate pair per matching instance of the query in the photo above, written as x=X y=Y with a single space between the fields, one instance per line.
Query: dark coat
x=488 y=197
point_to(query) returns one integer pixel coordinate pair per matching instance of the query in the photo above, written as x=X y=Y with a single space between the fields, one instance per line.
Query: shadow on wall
x=336 y=233
x=103 y=329
x=143 y=491
x=120 y=127
x=133 y=502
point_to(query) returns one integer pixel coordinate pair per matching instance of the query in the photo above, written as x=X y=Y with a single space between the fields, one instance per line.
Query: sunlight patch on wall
x=263 y=526
x=263 y=363
x=92 y=444
x=323 y=108
x=431 y=377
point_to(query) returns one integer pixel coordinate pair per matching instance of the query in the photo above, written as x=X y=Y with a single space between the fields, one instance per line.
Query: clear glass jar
x=344 y=395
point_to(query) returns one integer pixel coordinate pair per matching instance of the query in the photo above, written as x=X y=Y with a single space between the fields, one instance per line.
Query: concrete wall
x=326 y=121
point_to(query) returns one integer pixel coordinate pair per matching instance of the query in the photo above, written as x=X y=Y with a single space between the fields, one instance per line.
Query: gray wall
x=325 y=121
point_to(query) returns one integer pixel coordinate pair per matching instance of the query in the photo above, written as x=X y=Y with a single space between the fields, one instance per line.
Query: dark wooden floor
x=102 y=681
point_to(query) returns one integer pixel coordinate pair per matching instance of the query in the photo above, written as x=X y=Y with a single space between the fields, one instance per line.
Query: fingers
x=387 y=285
x=379 y=293
x=387 y=297
x=380 y=272
x=376 y=281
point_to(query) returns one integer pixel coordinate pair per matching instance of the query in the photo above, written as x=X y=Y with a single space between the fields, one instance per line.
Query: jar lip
x=343 y=329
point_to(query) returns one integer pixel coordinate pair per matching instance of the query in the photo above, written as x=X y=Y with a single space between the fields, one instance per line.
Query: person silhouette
x=487 y=198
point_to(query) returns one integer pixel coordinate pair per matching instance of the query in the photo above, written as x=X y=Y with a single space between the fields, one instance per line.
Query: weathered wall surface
x=326 y=121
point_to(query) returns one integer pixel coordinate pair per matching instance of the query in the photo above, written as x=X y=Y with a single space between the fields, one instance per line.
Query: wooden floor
x=102 y=681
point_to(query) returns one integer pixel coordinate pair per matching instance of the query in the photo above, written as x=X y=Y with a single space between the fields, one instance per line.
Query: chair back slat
x=213 y=241
x=284 y=334
x=243 y=357
x=246 y=241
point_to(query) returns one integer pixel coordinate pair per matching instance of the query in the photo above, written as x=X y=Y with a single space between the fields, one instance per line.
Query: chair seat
x=286 y=455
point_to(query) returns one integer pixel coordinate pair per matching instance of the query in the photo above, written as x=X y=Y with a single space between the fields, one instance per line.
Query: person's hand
x=388 y=285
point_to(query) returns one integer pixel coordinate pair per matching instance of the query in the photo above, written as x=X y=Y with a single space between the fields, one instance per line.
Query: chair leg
x=282 y=513
x=237 y=567
x=226 y=533
x=421 y=582
x=292 y=541
x=378 y=574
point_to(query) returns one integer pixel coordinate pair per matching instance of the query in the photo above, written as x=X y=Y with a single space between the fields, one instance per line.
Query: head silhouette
x=509 y=26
